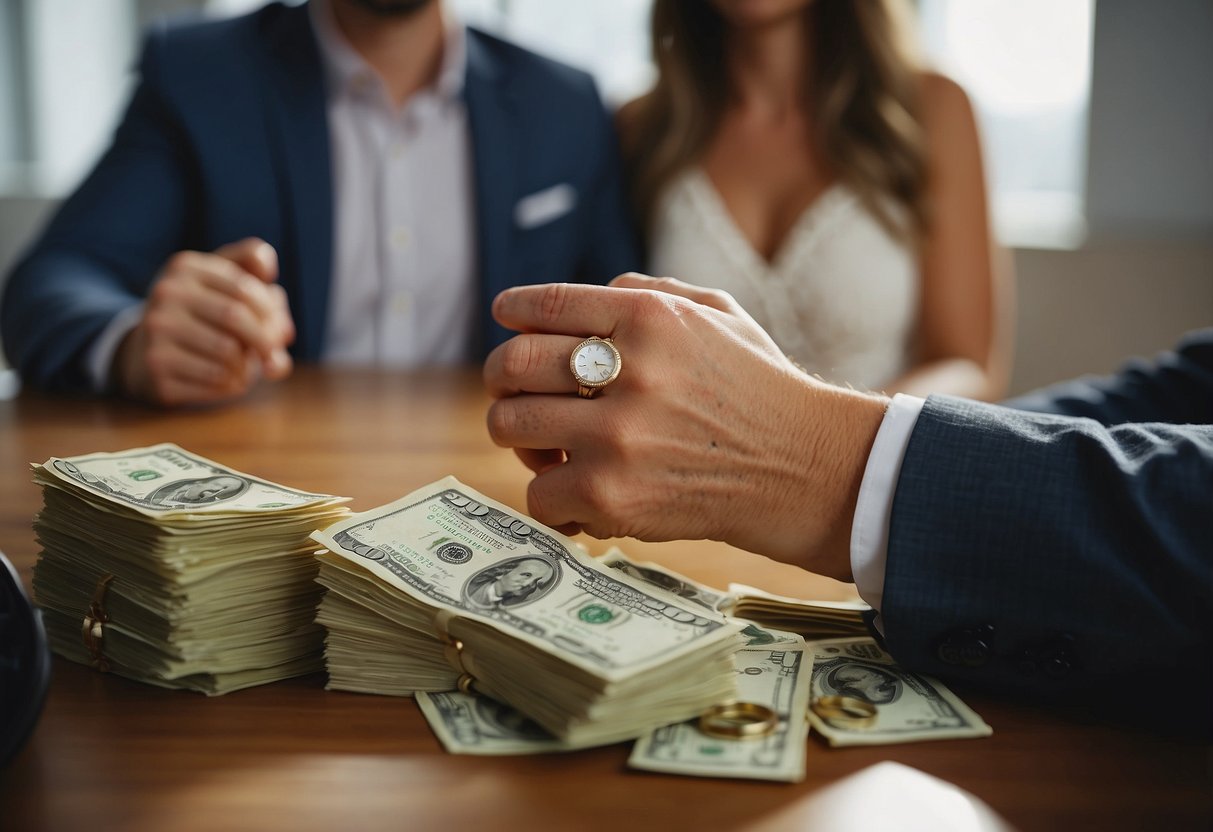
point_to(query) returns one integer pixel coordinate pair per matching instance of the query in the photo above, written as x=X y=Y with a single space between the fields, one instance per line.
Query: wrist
x=834 y=430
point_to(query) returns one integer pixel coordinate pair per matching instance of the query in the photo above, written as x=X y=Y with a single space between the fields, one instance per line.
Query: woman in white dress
x=792 y=154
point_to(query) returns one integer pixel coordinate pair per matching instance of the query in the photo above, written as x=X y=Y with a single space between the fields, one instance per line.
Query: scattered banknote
x=775 y=672
x=446 y=587
x=178 y=571
x=909 y=707
x=470 y=724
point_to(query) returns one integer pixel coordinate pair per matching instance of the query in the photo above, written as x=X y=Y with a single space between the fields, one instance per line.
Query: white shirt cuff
x=99 y=359
x=870 y=531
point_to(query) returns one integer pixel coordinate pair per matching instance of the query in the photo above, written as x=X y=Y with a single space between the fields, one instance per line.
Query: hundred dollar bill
x=909 y=707
x=774 y=670
x=669 y=580
x=470 y=724
x=587 y=652
x=814 y=619
x=167 y=482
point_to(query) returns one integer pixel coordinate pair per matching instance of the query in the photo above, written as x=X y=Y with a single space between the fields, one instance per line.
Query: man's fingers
x=235 y=317
x=540 y=459
x=715 y=298
x=540 y=422
x=172 y=360
x=229 y=279
x=254 y=255
x=551 y=498
x=283 y=313
x=564 y=308
x=173 y=375
x=531 y=364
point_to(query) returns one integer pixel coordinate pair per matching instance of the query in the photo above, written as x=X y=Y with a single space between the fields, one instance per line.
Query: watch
x=595 y=363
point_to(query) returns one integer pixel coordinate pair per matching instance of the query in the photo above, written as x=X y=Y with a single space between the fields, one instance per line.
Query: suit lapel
x=495 y=143
x=298 y=126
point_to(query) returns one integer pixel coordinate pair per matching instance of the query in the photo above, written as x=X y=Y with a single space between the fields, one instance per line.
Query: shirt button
x=401 y=238
x=397 y=150
x=965 y=647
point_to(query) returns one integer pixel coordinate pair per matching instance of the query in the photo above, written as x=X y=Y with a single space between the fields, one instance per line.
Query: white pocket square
x=544 y=206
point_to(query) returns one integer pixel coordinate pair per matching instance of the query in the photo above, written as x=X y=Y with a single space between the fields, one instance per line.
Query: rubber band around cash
x=453 y=650
x=738 y=721
x=845 y=711
x=92 y=629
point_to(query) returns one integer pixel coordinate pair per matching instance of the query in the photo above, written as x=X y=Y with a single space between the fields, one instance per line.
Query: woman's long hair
x=863 y=104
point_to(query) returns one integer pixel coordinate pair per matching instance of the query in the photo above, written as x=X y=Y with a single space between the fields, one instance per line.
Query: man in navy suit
x=1046 y=553
x=347 y=181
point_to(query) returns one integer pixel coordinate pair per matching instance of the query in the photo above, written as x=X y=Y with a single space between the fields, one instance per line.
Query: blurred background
x=1096 y=118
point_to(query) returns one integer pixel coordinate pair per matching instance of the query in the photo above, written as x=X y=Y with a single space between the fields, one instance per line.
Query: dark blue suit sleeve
x=103 y=248
x=1050 y=555
x=1177 y=387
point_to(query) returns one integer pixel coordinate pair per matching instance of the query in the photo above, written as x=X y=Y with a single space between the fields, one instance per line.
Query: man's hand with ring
x=711 y=432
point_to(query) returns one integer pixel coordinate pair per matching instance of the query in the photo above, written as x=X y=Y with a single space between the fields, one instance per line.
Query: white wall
x=1085 y=311
x=1145 y=273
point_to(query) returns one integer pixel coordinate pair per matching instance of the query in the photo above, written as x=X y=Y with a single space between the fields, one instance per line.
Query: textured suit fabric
x=1055 y=554
x=226 y=137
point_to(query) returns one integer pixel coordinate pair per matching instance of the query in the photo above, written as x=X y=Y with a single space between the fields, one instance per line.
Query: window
x=610 y=40
x=66 y=80
x=1027 y=67
x=65 y=73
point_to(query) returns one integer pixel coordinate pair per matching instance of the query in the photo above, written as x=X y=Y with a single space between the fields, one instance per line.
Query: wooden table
x=109 y=753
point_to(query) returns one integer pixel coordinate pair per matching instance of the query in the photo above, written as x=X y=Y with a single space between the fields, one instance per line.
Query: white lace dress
x=840 y=297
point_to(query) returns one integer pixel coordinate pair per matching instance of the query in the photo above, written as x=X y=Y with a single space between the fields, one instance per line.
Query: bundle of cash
x=901 y=706
x=776 y=670
x=447 y=589
x=166 y=567
x=811 y=619
x=772 y=670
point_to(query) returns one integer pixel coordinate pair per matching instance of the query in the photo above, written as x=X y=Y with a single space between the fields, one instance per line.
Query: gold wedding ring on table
x=738 y=721
x=595 y=363
x=845 y=711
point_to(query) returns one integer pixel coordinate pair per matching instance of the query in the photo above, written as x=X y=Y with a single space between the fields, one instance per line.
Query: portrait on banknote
x=198 y=491
x=877 y=684
x=511 y=583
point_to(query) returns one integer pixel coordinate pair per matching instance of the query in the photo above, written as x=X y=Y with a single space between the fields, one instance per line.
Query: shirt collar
x=345 y=69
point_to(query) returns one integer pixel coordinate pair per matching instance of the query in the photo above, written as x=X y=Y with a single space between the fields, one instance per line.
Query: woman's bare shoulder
x=945 y=104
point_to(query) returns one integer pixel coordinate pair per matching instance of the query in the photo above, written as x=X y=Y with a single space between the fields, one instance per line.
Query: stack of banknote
x=445 y=589
x=811 y=619
x=773 y=670
x=776 y=670
x=169 y=568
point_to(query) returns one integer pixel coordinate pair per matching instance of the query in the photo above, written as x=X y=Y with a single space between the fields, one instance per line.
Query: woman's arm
x=965 y=320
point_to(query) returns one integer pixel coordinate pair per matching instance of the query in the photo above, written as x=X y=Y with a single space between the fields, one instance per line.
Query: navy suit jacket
x=1064 y=554
x=226 y=137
